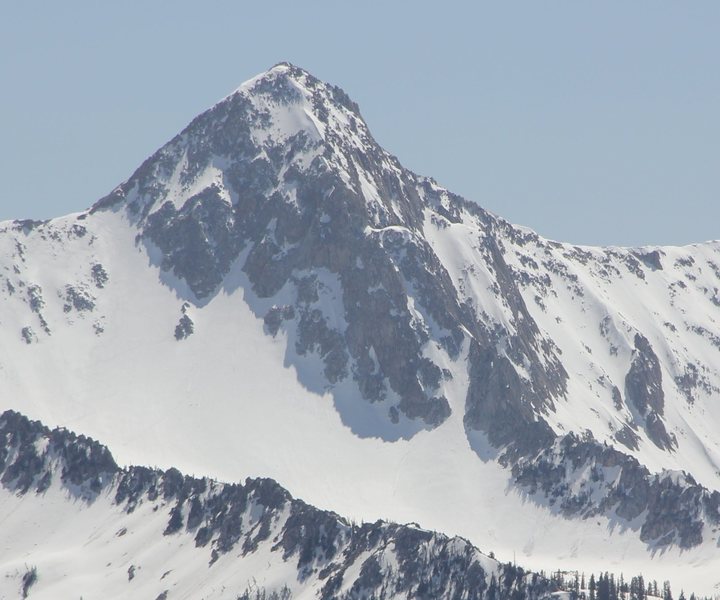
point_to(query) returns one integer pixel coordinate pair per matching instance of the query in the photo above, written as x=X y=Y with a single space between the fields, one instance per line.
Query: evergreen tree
x=603 y=587
x=667 y=594
x=492 y=589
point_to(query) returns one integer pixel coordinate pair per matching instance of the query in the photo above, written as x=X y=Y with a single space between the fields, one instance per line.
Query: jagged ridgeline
x=310 y=548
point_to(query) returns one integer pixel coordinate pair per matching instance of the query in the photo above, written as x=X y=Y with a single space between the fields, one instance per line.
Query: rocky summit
x=273 y=294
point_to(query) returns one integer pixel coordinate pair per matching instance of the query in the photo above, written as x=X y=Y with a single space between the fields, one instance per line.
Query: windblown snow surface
x=89 y=340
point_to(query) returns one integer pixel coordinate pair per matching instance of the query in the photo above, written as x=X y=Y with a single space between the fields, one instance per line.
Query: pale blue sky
x=591 y=122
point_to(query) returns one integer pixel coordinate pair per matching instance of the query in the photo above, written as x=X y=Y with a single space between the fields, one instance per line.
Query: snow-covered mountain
x=272 y=294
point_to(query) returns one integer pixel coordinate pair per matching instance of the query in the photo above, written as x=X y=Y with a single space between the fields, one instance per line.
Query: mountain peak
x=284 y=81
x=284 y=69
x=280 y=71
x=272 y=259
x=278 y=123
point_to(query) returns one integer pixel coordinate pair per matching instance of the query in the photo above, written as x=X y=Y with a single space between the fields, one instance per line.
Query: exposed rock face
x=321 y=197
x=77 y=298
x=643 y=387
x=651 y=259
x=99 y=275
x=198 y=241
x=581 y=477
x=500 y=405
x=86 y=466
x=185 y=326
x=501 y=402
x=643 y=383
x=338 y=559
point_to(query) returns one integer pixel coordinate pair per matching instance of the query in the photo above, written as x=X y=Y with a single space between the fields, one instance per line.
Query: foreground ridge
x=304 y=550
x=227 y=525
